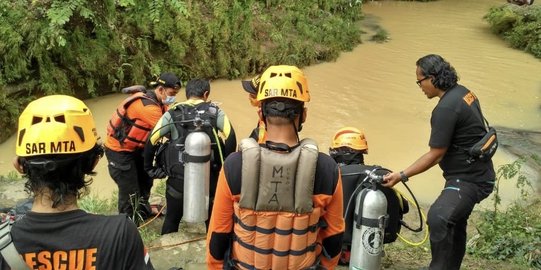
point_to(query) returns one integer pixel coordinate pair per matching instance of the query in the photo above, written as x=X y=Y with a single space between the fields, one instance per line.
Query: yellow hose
x=218 y=144
x=423 y=219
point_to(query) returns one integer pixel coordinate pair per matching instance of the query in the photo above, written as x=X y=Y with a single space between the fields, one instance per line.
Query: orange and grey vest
x=131 y=133
x=276 y=225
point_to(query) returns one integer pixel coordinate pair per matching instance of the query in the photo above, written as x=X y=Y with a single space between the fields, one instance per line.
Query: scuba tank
x=196 y=159
x=133 y=89
x=369 y=224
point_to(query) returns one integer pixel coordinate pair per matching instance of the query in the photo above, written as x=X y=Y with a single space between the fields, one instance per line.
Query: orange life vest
x=130 y=133
x=276 y=225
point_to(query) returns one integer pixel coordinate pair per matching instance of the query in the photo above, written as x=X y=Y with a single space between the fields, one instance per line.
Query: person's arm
x=425 y=162
x=221 y=224
x=442 y=130
x=225 y=127
x=162 y=128
x=332 y=235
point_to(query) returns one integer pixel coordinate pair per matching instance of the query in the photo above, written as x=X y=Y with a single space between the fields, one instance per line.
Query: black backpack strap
x=8 y=250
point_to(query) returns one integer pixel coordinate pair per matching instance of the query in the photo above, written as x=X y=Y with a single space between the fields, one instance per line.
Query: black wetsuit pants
x=448 y=218
x=134 y=184
x=174 y=196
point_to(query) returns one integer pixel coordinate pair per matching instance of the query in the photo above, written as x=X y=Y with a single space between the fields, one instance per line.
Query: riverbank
x=524 y=144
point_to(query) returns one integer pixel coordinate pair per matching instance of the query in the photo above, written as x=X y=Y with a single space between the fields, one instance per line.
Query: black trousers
x=448 y=219
x=174 y=196
x=134 y=184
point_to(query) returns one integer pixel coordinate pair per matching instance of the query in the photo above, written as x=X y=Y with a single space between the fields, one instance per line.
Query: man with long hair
x=456 y=125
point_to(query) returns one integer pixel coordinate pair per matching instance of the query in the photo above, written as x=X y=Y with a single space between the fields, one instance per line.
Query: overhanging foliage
x=89 y=48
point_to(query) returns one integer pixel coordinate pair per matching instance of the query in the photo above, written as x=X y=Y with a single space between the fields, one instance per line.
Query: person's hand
x=391 y=179
x=156 y=173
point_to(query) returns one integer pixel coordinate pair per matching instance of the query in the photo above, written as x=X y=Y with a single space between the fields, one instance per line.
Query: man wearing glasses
x=456 y=124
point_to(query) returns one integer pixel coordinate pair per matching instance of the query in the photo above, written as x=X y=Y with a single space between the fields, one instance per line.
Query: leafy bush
x=90 y=48
x=514 y=234
x=518 y=25
x=380 y=36
x=10 y=108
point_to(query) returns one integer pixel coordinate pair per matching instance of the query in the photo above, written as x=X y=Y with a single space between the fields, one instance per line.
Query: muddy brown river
x=373 y=88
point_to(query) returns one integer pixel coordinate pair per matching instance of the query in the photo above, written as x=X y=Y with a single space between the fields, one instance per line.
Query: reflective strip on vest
x=277 y=240
x=276 y=225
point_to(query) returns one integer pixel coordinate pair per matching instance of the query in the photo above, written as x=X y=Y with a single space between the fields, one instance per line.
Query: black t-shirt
x=457 y=124
x=78 y=240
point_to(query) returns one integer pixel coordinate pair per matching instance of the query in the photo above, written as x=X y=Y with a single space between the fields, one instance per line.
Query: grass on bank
x=10 y=178
x=497 y=238
x=512 y=234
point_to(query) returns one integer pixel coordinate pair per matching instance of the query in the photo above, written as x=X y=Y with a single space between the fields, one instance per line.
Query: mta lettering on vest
x=276 y=225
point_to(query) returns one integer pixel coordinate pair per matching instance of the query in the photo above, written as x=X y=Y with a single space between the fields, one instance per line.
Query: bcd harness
x=276 y=224
x=130 y=133
x=7 y=248
x=171 y=154
x=397 y=206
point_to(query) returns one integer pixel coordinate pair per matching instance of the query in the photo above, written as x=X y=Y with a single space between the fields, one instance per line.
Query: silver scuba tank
x=196 y=158
x=133 y=89
x=368 y=229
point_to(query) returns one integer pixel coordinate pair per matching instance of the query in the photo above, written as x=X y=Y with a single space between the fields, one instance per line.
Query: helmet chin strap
x=299 y=127
x=296 y=131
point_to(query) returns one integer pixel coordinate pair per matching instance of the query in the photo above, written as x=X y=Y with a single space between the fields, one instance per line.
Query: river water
x=373 y=88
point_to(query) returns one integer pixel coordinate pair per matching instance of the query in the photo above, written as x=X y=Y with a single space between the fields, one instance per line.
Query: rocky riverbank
x=526 y=144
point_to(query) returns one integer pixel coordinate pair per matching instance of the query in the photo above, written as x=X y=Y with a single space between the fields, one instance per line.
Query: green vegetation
x=515 y=233
x=94 y=204
x=518 y=25
x=90 y=48
x=11 y=177
x=498 y=239
x=149 y=234
x=380 y=36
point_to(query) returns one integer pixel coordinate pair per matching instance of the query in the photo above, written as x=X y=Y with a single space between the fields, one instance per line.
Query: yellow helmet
x=283 y=82
x=56 y=124
x=350 y=137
